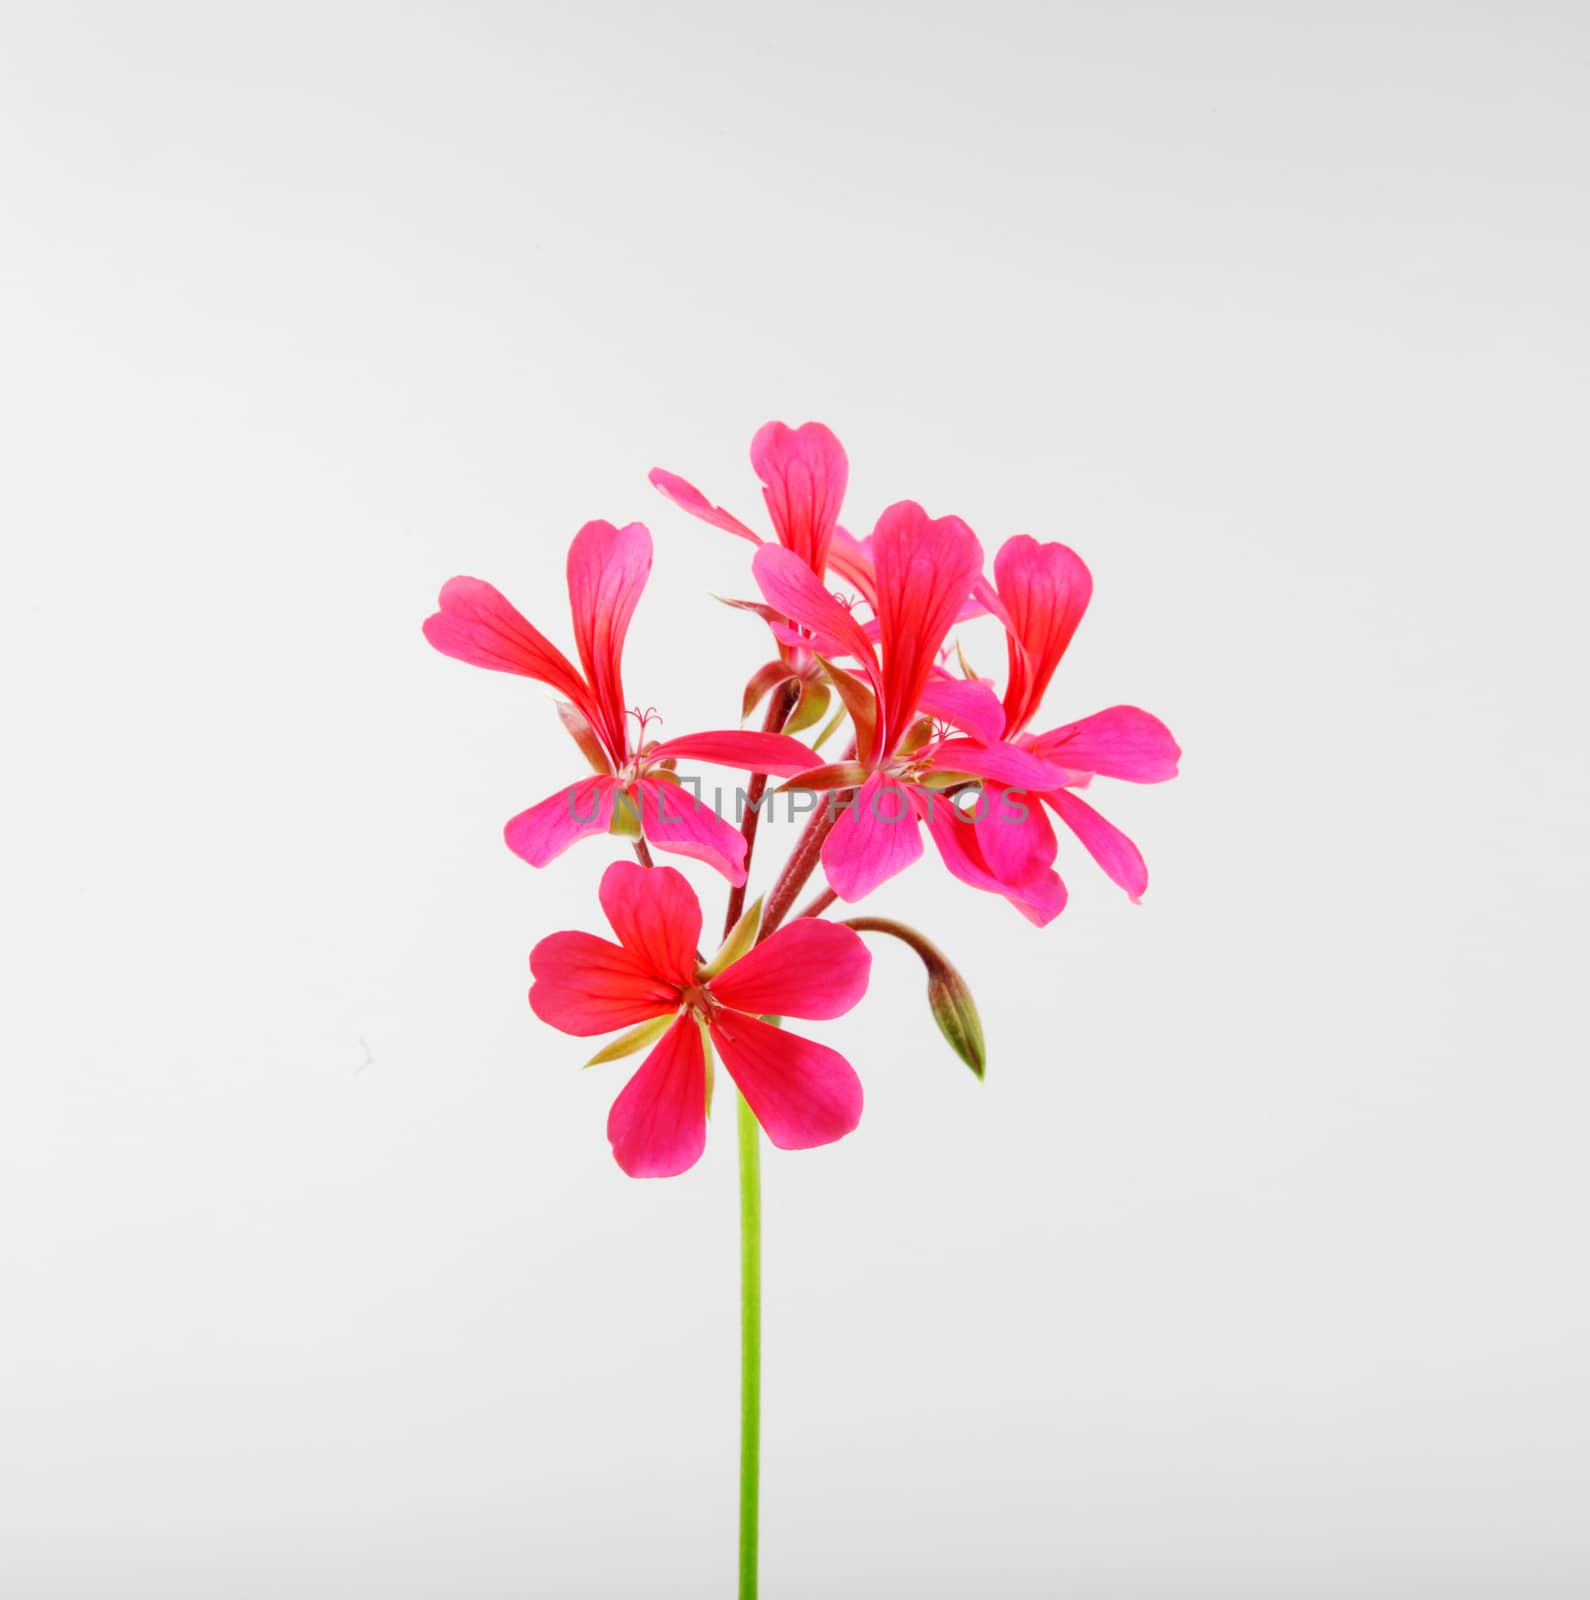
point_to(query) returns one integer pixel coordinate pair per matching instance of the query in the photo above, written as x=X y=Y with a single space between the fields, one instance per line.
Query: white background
x=1256 y=1267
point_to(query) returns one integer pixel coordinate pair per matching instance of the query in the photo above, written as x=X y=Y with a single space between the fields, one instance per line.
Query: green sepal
x=626 y=1044
x=859 y=702
x=625 y=823
x=741 y=938
x=812 y=707
x=706 y=1060
x=828 y=729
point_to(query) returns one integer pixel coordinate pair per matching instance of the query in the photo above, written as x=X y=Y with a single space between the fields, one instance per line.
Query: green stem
x=750 y=1342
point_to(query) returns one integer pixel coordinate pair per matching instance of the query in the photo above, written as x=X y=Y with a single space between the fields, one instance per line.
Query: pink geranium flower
x=924 y=574
x=803 y=470
x=1040 y=594
x=607 y=570
x=802 y=1093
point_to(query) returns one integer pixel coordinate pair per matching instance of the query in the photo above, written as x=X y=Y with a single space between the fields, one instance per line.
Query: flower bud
x=949 y=997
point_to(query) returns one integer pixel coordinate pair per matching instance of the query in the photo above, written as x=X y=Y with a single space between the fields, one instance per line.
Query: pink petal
x=1122 y=742
x=658 y=1123
x=1014 y=834
x=607 y=569
x=803 y=1093
x=1120 y=858
x=776 y=753
x=1040 y=899
x=926 y=569
x=803 y=471
x=1045 y=589
x=546 y=830
x=1005 y=763
x=808 y=968
x=585 y=985
x=966 y=703
x=656 y=916
x=475 y=623
x=790 y=587
x=689 y=498
x=673 y=819
x=851 y=559
x=875 y=837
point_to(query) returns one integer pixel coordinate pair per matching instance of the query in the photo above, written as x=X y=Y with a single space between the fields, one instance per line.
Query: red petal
x=1113 y=851
x=658 y=1124
x=926 y=569
x=656 y=916
x=475 y=623
x=689 y=498
x=775 y=753
x=966 y=703
x=808 y=968
x=607 y=570
x=585 y=985
x=803 y=1093
x=1122 y=742
x=876 y=836
x=803 y=471
x=673 y=819
x=545 y=831
x=1045 y=590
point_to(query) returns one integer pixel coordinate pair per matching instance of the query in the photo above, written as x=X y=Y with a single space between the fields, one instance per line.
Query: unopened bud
x=949 y=997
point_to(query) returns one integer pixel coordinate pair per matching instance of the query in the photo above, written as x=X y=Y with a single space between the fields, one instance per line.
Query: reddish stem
x=779 y=711
x=817 y=905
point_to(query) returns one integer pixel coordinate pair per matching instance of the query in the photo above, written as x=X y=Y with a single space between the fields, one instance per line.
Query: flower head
x=607 y=570
x=803 y=1093
x=803 y=471
x=1040 y=594
x=915 y=726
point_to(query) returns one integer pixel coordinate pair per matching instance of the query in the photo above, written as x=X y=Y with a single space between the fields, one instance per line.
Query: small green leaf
x=828 y=729
x=706 y=1058
x=741 y=937
x=811 y=708
x=626 y=1044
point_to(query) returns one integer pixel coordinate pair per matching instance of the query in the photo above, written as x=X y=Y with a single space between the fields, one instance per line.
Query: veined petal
x=1045 y=589
x=803 y=471
x=673 y=819
x=925 y=570
x=658 y=1123
x=1005 y=763
x=774 y=753
x=1014 y=834
x=546 y=830
x=476 y=623
x=966 y=703
x=689 y=498
x=585 y=985
x=656 y=916
x=790 y=587
x=851 y=559
x=1040 y=899
x=1120 y=858
x=607 y=569
x=808 y=968
x=1121 y=742
x=803 y=1093
x=875 y=837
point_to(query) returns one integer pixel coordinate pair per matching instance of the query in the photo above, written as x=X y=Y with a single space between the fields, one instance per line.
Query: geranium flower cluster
x=859 y=626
